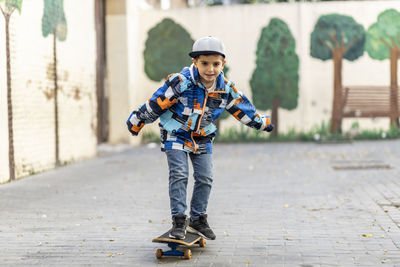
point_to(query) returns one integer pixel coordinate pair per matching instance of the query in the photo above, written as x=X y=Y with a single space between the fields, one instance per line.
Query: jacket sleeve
x=166 y=96
x=240 y=107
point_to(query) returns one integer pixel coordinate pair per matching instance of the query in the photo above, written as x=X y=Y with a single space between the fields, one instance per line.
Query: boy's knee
x=178 y=173
x=204 y=177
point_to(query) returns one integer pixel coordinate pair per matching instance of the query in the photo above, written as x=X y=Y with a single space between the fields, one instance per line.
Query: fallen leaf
x=150 y=221
x=247 y=262
x=286 y=206
x=112 y=240
x=367 y=235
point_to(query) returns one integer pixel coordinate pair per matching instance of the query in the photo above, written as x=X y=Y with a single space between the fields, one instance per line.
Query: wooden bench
x=368 y=102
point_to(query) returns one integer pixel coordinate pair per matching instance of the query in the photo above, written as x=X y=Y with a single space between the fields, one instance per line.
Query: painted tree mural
x=167 y=48
x=54 y=22
x=274 y=82
x=383 y=42
x=7 y=8
x=336 y=37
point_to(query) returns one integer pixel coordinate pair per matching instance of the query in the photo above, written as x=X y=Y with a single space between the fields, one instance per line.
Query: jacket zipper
x=200 y=118
x=194 y=143
x=202 y=112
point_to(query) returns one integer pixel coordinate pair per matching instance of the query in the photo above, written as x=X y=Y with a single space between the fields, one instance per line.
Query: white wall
x=239 y=26
x=32 y=57
x=3 y=108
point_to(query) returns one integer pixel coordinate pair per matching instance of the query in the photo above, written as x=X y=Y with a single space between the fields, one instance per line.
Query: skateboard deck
x=189 y=240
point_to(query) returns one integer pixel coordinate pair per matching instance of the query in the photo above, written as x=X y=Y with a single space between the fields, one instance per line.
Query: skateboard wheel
x=159 y=253
x=202 y=243
x=188 y=254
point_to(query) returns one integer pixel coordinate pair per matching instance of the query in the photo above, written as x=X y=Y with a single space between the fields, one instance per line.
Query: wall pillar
x=117 y=70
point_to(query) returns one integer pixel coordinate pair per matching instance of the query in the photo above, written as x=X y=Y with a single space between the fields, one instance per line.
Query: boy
x=187 y=104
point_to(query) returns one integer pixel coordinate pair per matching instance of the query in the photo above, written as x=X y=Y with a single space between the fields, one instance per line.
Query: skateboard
x=173 y=244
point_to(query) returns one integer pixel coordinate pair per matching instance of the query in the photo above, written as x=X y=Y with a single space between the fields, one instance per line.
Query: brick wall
x=33 y=85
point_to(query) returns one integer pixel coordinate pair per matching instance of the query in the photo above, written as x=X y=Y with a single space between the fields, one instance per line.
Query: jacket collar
x=194 y=75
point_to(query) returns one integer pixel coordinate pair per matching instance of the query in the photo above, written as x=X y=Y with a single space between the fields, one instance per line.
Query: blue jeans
x=178 y=179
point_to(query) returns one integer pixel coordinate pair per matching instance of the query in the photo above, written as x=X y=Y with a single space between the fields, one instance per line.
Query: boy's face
x=209 y=67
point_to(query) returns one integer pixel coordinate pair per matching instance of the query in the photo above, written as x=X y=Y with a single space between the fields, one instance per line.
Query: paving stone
x=271 y=205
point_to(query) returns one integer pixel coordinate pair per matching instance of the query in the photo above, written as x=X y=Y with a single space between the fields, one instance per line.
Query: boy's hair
x=207 y=46
x=197 y=57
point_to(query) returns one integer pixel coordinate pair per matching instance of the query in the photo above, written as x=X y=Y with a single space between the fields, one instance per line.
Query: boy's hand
x=269 y=126
x=133 y=132
x=134 y=124
x=133 y=129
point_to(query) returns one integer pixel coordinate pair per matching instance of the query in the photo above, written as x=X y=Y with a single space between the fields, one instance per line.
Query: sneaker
x=201 y=227
x=178 y=230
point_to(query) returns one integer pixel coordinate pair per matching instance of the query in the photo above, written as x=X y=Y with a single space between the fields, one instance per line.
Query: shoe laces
x=180 y=221
x=203 y=220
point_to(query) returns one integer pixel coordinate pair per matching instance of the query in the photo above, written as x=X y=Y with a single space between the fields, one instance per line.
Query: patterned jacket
x=187 y=111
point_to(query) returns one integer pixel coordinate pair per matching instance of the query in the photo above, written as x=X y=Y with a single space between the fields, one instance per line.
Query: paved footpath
x=292 y=204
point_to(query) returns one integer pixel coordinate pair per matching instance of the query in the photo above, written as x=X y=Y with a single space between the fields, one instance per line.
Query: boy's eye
x=216 y=64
